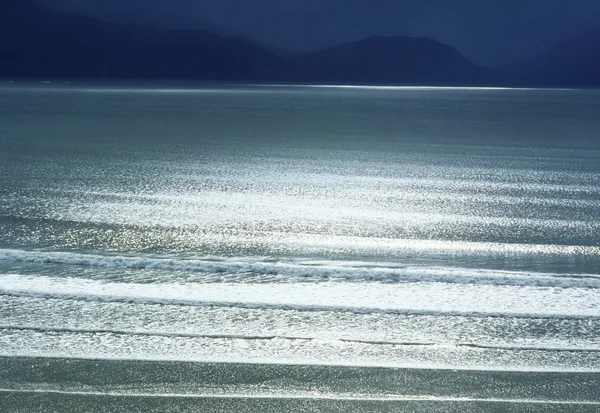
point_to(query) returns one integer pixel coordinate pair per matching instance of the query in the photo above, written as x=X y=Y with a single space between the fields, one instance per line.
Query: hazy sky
x=486 y=31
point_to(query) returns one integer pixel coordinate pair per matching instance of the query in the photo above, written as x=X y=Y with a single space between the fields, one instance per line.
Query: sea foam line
x=360 y=298
x=349 y=270
x=294 y=363
x=299 y=338
x=310 y=396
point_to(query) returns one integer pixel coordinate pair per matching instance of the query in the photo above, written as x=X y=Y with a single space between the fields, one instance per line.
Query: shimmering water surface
x=384 y=231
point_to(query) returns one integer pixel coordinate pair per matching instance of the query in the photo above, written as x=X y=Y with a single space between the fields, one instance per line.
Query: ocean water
x=295 y=248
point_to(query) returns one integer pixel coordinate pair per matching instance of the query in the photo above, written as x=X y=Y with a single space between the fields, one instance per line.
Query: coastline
x=169 y=379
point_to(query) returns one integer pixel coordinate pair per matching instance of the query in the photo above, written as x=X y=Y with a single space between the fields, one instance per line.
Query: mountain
x=37 y=42
x=574 y=63
x=398 y=59
x=164 y=19
x=169 y=20
x=175 y=21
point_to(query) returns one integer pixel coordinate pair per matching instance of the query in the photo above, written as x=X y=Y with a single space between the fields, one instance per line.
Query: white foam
x=307 y=395
x=415 y=298
x=350 y=270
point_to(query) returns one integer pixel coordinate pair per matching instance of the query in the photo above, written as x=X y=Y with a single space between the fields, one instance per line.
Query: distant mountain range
x=35 y=42
x=575 y=62
x=170 y=20
x=390 y=60
x=39 y=43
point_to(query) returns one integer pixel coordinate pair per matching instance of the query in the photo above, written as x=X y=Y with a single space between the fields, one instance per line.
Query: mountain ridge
x=575 y=62
x=170 y=21
x=36 y=42
x=405 y=60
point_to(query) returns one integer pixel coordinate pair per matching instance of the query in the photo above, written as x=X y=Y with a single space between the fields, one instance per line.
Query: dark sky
x=486 y=31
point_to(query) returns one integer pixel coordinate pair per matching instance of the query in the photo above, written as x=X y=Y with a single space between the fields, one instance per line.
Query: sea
x=298 y=248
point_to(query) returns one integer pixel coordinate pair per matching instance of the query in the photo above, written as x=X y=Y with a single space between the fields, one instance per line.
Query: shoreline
x=60 y=385
x=244 y=379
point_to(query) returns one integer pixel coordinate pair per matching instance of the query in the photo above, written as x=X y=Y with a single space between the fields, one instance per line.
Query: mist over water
x=389 y=227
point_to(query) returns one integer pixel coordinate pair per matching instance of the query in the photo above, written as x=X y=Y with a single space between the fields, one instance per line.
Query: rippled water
x=391 y=227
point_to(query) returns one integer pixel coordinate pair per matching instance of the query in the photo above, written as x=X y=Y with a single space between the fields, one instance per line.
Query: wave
x=359 y=298
x=319 y=269
x=500 y=347
x=436 y=195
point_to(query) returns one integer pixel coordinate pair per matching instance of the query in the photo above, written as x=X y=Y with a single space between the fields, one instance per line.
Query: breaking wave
x=345 y=270
x=368 y=298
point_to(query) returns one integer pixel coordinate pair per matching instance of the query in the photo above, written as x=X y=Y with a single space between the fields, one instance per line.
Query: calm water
x=407 y=228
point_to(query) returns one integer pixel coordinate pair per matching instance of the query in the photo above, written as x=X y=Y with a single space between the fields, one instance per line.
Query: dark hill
x=575 y=62
x=39 y=43
x=36 y=42
x=400 y=59
x=169 y=20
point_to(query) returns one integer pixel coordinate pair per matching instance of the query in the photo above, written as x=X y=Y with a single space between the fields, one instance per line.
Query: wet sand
x=67 y=385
